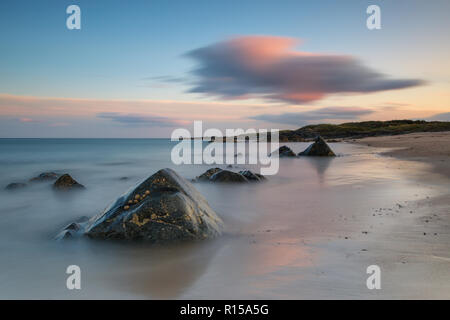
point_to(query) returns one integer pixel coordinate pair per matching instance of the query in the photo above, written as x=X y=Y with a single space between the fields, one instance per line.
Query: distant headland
x=355 y=130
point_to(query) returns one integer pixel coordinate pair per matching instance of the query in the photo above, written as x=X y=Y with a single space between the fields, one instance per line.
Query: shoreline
x=433 y=148
x=413 y=245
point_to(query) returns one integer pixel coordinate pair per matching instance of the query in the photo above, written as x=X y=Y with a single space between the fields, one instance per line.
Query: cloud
x=38 y=108
x=165 y=79
x=301 y=118
x=139 y=120
x=27 y=120
x=440 y=117
x=268 y=67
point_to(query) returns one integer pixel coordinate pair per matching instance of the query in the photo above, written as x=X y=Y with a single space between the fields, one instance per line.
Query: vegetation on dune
x=363 y=129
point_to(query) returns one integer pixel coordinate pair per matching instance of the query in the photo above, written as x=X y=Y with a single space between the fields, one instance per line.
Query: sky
x=144 y=68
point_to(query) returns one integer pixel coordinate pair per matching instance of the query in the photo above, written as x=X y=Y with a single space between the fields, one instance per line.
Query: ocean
x=279 y=241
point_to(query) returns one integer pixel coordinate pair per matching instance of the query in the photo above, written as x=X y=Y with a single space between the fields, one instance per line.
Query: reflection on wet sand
x=163 y=272
x=277 y=253
x=320 y=164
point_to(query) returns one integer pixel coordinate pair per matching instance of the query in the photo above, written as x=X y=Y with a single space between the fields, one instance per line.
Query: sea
x=277 y=242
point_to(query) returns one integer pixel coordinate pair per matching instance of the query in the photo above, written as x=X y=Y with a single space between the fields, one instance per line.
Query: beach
x=417 y=245
x=308 y=232
x=430 y=147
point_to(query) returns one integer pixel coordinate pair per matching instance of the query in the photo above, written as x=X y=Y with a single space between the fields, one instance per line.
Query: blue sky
x=124 y=46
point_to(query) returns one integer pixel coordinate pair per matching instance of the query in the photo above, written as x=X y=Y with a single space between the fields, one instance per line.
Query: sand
x=430 y=147
x=413 y=242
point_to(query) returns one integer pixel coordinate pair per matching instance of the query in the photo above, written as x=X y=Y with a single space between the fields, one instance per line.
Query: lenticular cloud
x=269 y=67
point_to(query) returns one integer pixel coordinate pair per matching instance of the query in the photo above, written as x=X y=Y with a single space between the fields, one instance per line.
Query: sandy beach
x=428 y=147
x=412 y=241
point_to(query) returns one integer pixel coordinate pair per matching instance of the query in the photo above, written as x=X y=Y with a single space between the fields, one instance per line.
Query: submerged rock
x=253 y=177
x=45 y=176
x=207 y=174
x=73 y=229
x=228 y=176
x=319 y=148
x=15 y=186
x=69 y=231
x=284 y=151
x=163 y=208
x=66 y=182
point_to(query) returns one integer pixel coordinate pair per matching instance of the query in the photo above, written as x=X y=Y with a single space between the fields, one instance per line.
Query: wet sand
x=412 y=243
x=428 y=147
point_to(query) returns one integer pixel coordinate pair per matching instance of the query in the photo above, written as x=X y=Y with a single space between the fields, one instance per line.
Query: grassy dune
x=363 y=129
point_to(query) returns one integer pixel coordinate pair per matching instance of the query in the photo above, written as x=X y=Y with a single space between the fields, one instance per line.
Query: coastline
x=432 y=148
x=413 y=240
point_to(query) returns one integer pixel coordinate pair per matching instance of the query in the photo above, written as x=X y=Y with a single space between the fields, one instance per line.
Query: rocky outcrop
x=283 y=152
x=163 y=208
x=66 y=182
x=45 y=176
x=15 y=186
x=319 y=149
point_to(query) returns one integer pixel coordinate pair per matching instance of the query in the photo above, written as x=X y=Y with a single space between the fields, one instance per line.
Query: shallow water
x=273 y=242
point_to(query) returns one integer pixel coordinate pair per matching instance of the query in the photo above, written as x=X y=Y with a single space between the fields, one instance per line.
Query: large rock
x=284 y=151
x=319 y=148
x=66 y=182
x=163 y=208
x=45 y=176
x=228 y=176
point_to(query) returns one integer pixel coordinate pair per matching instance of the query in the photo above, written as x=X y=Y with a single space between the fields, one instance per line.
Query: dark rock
x=319 y=148
x=66 y=182
x=228 y=176
x=15 y=186
x=207 y=174
x=284 y=151
x=168 y=209
x=73 y=229
x=73 y=226
x=220 y=175
x=254 y=177
x=65 y=234
x=45 y=176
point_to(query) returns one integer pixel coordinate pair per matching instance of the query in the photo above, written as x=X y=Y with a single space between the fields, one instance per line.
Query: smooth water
x=271 y=247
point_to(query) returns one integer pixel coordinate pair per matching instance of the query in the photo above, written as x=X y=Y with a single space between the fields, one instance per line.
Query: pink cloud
x=269 y=67
x=26 y=120
x=56 y=110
